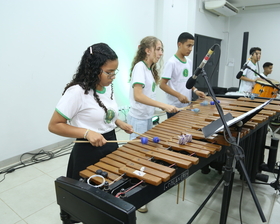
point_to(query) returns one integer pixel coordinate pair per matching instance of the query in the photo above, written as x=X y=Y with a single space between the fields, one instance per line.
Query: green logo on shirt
x=154 y=87
x=109 y=116
x=185 y=72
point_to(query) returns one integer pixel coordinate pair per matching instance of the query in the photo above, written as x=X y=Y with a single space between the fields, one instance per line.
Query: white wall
x=170 y=21
x=43 y=41
x=263 y=27
x=211 y=25
x=179 y=16
x=41 y=45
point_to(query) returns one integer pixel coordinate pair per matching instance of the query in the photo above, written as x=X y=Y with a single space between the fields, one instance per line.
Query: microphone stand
x=234 y=155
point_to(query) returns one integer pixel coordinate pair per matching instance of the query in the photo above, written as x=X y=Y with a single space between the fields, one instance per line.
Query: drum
x=264 y=89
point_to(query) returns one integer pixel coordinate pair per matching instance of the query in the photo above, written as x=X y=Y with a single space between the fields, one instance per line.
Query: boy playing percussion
x=249 y=77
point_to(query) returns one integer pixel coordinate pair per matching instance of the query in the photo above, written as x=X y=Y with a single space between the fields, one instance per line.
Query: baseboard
x=16 y=159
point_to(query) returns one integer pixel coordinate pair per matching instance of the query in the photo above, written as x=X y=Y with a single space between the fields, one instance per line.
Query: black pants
x=84 y=155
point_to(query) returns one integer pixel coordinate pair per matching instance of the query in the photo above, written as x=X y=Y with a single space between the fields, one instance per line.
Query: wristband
x=195 y=90
x=85 y=135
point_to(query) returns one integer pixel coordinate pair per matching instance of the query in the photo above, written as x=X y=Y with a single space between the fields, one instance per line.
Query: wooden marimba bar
x=138 y=173
x=132 y=156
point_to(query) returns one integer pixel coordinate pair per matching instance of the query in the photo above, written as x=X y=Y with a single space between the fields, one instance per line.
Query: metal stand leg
x=205 y=201
x=65 y=217
x=226 y=199
x=277 y=129
x=276 y=183
x=270 y=130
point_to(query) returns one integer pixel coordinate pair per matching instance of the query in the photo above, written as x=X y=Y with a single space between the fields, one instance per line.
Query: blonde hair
x=147 y=42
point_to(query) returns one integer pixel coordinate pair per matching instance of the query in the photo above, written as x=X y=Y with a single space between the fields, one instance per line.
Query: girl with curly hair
x=87 y=109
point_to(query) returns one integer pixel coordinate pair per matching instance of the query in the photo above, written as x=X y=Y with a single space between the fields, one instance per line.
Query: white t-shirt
x=178 y=72
x=246 y=86
x=141 y=74
x=82 y=110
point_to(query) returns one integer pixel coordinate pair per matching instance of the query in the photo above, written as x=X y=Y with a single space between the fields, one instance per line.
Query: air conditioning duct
x=221 y=8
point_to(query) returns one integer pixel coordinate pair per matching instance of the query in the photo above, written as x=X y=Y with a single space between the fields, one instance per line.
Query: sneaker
x=143 y=209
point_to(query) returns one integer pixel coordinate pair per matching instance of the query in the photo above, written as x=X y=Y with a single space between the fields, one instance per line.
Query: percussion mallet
x=155 y=139
x=196 y=110
x=140 y=134
x=143 y=140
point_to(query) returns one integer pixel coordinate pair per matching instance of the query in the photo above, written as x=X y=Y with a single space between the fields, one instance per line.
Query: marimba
x=138 y=173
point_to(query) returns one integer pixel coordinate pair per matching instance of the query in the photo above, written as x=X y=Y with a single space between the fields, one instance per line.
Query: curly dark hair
x=87 y=74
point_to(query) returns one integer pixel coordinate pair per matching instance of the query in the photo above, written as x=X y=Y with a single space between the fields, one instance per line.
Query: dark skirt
x=84 y=155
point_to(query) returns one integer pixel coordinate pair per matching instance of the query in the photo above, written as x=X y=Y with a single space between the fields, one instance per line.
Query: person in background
x=177 y=71
x=249 y=77
x=267 y=68
x=144 y=77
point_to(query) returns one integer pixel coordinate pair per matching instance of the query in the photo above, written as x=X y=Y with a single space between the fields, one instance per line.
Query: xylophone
x=137 y=173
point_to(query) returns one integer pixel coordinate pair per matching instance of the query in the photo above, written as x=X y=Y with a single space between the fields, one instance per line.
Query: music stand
x=217 y=125
x=233 y=156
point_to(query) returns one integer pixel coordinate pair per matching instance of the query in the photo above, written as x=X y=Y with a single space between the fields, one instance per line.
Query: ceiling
x=253 y=3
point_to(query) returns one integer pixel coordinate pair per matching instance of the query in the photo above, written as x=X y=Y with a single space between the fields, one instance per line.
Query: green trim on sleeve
x=138 y=83
x=165 y=78
x=62 y=114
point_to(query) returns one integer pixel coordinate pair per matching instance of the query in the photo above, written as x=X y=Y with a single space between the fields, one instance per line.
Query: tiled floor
x=28 y=196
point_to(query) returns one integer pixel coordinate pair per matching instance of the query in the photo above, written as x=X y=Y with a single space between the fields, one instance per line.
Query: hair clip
x=90 y=50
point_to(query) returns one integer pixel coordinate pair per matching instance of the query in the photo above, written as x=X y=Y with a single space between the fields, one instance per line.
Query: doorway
x=201 y=47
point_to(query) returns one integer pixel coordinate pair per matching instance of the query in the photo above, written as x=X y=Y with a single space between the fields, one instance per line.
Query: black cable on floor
x=41 y=156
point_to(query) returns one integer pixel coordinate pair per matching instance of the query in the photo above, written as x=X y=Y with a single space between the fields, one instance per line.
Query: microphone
x=191 y=81
x=239 y=74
